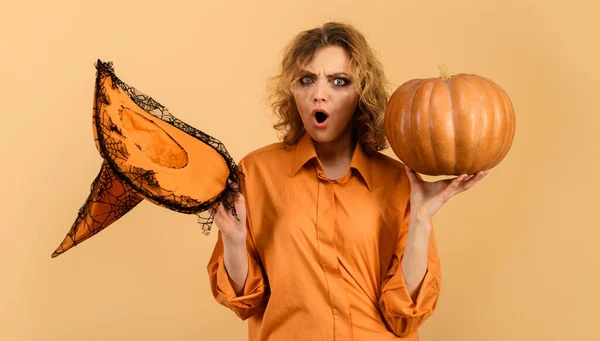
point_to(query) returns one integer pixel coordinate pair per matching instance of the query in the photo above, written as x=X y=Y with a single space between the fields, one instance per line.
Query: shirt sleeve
x=254 y=293
x=403 y=315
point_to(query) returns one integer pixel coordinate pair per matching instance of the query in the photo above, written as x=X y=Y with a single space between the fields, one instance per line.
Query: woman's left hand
x=426 y=198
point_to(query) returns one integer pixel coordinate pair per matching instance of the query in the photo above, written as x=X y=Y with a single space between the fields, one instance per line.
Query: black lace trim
x=137 y=177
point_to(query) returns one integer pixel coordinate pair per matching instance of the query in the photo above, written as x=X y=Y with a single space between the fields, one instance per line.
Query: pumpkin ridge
x=415 y=155
x=393 y=121
x=512 y=127
x=425 y=140
x=474 y=157
x=397 y=123
x=509 y=130
x=453 y=109
x=486 y=163
x=439 y=138
x=432 y=116
x=498 y=154
x=464 y=95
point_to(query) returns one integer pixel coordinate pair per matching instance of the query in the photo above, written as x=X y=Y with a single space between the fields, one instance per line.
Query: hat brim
x=148 y=154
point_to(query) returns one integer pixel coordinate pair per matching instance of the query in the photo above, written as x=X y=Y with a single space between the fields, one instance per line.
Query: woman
x=335 y=240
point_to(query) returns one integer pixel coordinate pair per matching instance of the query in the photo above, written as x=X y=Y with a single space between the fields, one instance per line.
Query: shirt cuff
x=253 y=290
x=400 y=303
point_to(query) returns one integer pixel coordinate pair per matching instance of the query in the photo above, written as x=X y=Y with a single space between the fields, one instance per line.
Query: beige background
x=519 y=252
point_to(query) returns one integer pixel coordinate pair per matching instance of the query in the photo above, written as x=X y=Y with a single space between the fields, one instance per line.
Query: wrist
x=420 y=217
x=421 y=222
x=235 y=241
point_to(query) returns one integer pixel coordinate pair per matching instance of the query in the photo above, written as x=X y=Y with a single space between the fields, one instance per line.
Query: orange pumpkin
x=450 y=125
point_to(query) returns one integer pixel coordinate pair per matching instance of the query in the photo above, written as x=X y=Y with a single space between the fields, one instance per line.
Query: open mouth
x=320 y=116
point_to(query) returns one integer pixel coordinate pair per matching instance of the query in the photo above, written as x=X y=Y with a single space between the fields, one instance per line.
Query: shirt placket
x=326 y=227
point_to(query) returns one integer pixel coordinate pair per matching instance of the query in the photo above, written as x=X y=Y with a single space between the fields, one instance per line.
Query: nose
x=320 y=91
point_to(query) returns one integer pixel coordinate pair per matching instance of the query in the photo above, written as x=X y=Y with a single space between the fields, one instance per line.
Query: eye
x=340 y=81
x=305 y=80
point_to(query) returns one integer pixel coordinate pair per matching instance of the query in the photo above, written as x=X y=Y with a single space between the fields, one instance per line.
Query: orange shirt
x=325 y=255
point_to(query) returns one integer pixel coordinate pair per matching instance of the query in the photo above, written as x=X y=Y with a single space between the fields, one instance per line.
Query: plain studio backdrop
x=519 y=251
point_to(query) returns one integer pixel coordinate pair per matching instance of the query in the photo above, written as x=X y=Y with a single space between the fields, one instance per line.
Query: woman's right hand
x=233 y=233
x=233 y=229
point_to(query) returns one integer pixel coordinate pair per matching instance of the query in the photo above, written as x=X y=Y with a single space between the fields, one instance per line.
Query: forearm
x=414 y=261
x=235 y=257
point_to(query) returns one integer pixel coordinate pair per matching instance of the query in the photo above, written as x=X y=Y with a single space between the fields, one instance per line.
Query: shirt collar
x=305 y=151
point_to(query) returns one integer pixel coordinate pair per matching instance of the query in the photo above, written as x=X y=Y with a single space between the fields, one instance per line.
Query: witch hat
x=149 y=154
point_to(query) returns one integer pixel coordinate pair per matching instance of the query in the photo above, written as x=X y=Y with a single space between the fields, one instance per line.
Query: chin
x=322 y=136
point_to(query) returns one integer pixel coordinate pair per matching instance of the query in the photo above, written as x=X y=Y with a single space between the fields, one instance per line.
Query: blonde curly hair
x=367 y=76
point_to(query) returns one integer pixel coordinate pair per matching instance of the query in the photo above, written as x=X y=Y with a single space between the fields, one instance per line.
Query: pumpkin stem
x=444 y=71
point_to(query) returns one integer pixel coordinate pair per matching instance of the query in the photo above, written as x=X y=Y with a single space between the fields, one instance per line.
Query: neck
x=338 y=151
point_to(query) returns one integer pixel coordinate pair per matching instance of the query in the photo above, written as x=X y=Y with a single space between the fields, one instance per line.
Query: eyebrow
x=335 y=74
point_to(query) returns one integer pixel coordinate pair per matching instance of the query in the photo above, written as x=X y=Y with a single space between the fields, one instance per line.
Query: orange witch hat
x=149 y=154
